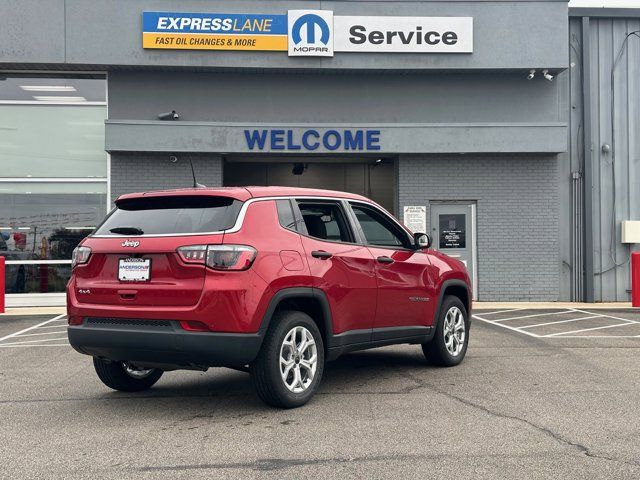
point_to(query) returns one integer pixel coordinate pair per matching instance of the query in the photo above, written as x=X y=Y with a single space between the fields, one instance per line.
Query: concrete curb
x=549 y=305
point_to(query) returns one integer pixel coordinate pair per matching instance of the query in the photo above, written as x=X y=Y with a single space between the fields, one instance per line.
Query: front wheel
x=125 y=377
x=290 y=364
x=449 y=344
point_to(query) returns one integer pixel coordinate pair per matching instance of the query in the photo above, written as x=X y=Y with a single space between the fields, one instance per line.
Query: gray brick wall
x=133 y=172
x=517 y=217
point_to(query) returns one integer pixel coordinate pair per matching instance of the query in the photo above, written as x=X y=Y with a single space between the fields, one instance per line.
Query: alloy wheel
x=298 y=359
x=454 y=331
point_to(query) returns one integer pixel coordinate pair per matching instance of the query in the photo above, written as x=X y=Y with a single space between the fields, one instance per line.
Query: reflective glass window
x=44 y=221
x=52 y=126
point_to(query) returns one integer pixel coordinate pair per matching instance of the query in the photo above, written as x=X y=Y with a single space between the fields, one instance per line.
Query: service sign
x=214 y=31
x=403 y=34
x=309 y=33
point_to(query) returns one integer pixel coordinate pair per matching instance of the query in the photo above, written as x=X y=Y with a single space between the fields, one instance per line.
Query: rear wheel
x=125 y=377
x=290 y=364
x=449 y=344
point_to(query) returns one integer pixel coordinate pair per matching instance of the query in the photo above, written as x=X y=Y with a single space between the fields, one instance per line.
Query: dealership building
x=508 y=130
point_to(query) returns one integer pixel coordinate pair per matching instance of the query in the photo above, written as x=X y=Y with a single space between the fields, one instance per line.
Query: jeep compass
x=270 y=280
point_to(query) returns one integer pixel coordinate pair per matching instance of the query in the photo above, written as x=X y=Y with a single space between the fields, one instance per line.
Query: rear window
x=171 y=215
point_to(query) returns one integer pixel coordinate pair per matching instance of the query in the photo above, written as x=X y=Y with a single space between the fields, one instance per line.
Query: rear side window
x=325 y=221
x=171 y=215
x=285 y=214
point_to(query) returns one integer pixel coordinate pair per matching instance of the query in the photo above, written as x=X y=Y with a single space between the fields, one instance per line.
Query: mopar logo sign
x=310 y=33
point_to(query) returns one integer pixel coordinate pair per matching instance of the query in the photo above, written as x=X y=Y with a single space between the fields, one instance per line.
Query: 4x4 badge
x=129 y=243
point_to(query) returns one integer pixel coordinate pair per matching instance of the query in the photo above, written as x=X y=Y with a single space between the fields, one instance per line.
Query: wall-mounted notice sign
x=415 y=218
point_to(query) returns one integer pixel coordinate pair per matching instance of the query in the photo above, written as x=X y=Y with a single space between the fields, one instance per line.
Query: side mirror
x=421 y=240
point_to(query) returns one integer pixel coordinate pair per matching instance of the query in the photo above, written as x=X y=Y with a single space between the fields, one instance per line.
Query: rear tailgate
x=134 y=256
x=171 y=282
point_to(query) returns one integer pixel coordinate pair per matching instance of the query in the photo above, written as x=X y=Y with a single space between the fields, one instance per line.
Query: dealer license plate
x=134 y=269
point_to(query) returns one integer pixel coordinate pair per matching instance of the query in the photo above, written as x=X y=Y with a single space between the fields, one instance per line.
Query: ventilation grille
x=126 y=322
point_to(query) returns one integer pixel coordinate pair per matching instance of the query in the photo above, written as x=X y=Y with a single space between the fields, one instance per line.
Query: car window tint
x=379 y=230
x=285 y=214
x=172 y=215
x=325 y=220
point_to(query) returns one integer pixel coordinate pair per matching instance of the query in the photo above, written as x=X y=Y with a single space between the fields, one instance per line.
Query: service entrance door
x=453 y=230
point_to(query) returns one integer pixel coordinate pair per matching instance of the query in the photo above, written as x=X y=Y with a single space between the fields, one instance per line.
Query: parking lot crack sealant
x=583 y=449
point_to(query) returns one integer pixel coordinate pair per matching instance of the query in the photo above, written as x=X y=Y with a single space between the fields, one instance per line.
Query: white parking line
x=601 y=336
x=536 y=315
x=561 y=321
x=526 y=330
x=12 y=345
x=55 y=319
x=531 y=334
x=615 y=318
x=589 y=329
x=502 y=311
x=33 y=341
x=37 y=334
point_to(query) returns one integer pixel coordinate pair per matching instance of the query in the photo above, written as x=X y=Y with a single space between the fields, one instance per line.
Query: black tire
x=265 y=370
x=114 y=375
x=436 y=350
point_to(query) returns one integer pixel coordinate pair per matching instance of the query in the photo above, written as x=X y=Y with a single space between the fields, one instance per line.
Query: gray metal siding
x=517 y=217
x=616 y=183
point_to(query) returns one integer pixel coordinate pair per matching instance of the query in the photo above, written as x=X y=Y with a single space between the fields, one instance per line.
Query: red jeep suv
x=270 y=280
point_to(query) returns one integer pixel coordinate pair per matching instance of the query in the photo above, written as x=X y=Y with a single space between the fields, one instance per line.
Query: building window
x=53 y=174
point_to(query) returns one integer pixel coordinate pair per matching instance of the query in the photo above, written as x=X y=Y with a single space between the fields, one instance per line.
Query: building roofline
x=604 y=12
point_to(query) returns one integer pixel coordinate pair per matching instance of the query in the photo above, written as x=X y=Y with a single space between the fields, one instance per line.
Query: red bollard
x=635 y=279
x=2 y=284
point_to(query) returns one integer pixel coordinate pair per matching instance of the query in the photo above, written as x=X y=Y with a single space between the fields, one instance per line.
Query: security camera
x=172 y=115
x=547 y=75
x=298 y=168
x=173 y=159
x=532 y=73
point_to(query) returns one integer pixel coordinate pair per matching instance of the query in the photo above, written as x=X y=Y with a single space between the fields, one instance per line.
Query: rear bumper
x=162 y=343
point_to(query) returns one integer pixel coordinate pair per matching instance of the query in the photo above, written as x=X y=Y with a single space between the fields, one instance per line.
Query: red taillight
x=74 y=320
x=80 y=255
x=193 y=253
x=219 y=257
x=230 y=257
x=194 y=326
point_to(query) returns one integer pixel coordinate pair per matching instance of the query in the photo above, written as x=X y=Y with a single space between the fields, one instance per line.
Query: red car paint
x=362 y=292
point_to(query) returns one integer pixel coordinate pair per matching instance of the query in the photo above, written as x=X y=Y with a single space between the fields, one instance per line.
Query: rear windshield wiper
x=127 y=230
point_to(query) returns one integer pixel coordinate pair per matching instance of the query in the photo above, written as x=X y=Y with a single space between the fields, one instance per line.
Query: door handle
x=321 y=254
x=385 y=259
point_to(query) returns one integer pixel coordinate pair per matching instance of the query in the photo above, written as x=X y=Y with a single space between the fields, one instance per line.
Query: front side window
x=379 y=230
x=325 y=221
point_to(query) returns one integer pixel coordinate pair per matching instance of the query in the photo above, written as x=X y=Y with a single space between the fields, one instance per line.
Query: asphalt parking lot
x=540 y=395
